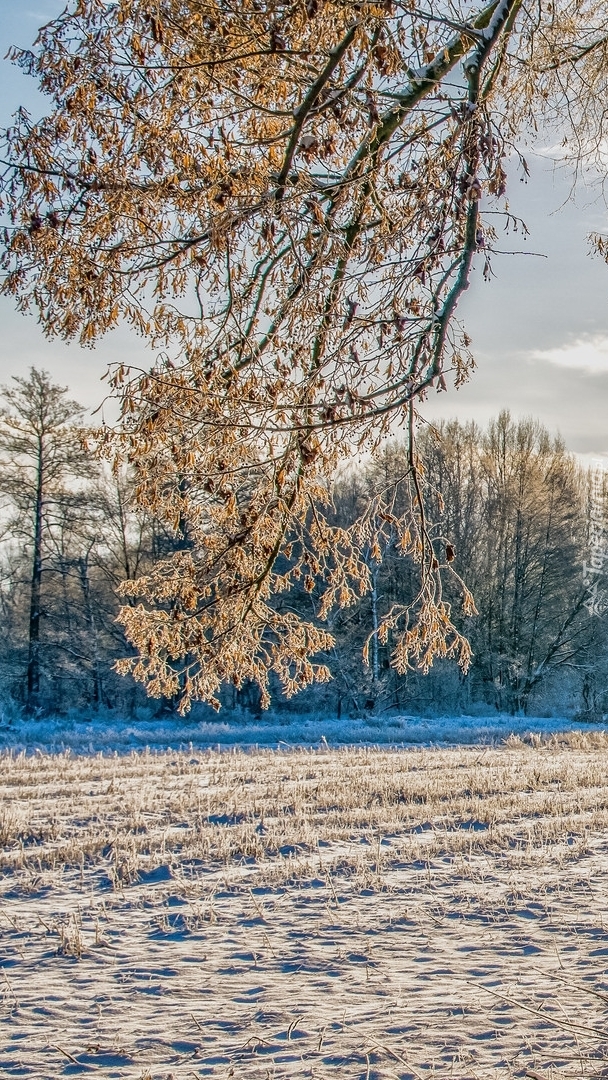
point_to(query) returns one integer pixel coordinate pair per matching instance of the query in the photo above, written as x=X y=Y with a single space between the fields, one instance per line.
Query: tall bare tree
x=288 y=199
x=40 y=451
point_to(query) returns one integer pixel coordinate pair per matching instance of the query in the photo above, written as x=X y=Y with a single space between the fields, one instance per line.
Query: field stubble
x=335 y=913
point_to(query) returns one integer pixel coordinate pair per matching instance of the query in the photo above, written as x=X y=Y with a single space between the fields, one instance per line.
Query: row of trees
x=512 y=520
x=513 y=504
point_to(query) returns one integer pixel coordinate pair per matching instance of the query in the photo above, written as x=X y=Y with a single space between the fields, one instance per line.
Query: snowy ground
x=348 y=913
x=92 y=732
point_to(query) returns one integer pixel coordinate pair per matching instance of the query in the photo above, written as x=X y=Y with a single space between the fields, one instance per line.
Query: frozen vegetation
x=104 y=731
x=515 y=506
x=331 y=912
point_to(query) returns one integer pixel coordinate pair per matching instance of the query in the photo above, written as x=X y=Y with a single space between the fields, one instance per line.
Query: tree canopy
x=286 y=200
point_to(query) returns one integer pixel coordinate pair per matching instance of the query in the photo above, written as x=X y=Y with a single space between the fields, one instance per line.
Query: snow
x=302 y=896
x=106 y=732
x=345 y=913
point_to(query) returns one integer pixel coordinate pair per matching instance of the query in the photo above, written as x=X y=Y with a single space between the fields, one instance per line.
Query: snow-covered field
x=345 y=913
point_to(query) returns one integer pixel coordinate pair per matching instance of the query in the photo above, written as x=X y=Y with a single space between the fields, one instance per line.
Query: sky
x=539 y=327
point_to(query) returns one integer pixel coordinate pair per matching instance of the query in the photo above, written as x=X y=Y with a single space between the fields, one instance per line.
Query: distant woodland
x=512 y=504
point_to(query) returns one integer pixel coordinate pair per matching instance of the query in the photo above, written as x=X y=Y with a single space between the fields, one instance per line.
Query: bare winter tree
x=522 y=539
x=40 y=450
x=287 y=199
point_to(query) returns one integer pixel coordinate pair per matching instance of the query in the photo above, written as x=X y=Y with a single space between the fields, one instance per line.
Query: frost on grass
x=89 y=732
x=345 y=913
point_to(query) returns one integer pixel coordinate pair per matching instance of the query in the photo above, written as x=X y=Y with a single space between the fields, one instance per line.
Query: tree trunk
x=375 y=624
x=33 y=662
x=85 y=585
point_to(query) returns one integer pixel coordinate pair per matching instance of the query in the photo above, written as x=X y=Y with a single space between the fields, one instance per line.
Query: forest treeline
x=512 y=505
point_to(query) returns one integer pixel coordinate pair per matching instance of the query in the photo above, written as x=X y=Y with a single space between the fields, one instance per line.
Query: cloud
x=587 y=353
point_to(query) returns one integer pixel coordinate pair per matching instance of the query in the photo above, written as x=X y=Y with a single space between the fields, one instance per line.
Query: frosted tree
x=40 y=452
x=286 y=200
